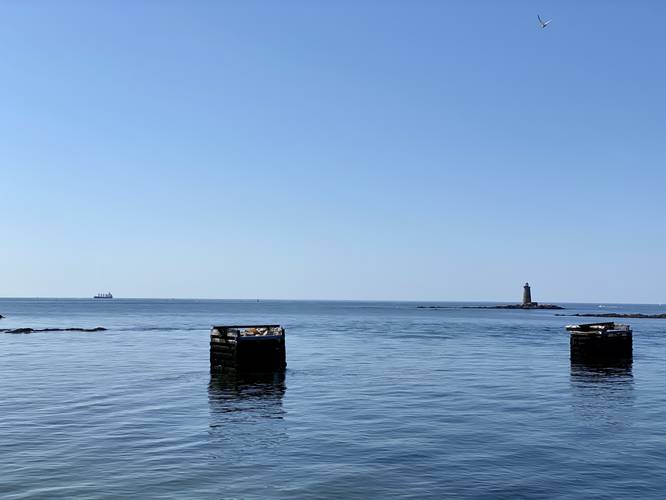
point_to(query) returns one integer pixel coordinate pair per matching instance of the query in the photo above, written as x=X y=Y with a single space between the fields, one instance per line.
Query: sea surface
x=379 y=400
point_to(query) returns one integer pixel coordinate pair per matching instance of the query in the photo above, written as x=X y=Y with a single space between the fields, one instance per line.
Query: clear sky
x=441 y=150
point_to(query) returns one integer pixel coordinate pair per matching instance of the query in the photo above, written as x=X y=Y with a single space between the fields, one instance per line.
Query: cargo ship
x=107 y=295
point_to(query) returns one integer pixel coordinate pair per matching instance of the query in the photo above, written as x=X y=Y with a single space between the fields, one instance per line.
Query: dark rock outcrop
x=617 y=315
x=35 y=330
x=532 y=305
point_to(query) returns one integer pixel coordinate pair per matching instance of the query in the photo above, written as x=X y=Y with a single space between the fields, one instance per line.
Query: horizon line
x=260 y=299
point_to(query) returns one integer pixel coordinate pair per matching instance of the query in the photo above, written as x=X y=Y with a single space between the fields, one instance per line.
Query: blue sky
x=418 y=150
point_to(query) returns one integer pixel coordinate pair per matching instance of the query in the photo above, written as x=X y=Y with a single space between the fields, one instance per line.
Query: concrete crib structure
x=248 y=348
x=600 y=342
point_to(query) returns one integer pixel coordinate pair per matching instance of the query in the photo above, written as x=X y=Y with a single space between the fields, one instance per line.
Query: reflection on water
x=255 y=394
x=246 y=413
x=603 y=392
x=606 y=366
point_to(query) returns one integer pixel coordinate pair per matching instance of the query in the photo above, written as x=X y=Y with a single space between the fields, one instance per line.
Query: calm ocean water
x=379 y=400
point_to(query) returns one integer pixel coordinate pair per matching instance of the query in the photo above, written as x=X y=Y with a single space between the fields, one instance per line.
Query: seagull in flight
x=543 y=23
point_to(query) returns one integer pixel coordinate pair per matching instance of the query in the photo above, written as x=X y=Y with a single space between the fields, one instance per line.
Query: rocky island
x=526 y=303
x=531 y=305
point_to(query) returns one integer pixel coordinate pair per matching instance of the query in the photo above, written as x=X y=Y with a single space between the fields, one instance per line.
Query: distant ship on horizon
x=106 y=295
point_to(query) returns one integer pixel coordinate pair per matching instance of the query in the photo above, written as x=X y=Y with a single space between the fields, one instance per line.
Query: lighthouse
x=527 y=295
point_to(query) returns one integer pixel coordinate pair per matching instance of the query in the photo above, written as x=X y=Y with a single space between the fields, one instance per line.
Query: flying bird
x=542 y=22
